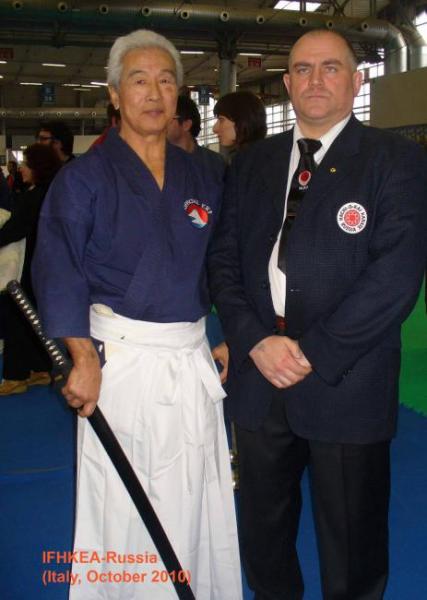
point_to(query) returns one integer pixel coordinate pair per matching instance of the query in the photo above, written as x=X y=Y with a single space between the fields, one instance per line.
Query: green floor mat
x=413 y=378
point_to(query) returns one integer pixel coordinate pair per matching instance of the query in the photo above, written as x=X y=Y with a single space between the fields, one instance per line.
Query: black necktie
x=299 y=185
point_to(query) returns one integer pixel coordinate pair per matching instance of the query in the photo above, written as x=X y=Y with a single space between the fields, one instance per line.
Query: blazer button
x=272 y=238
x=264 y=285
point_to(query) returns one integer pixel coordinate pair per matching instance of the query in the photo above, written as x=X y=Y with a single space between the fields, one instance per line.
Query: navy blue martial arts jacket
x=108 y=234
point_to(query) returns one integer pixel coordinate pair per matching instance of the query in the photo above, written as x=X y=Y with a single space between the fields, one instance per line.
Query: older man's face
x=147 y=94
x=321 y=82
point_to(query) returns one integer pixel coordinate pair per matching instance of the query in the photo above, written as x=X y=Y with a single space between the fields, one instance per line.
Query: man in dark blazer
x=319 y=388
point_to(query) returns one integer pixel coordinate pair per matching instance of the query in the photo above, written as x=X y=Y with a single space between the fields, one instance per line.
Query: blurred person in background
x=241 y=120
x=58 y=135
x=113 y=118
x=25 y=362
x=183 y=131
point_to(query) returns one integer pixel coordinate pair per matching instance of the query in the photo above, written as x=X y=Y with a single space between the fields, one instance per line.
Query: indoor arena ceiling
x=78 y=35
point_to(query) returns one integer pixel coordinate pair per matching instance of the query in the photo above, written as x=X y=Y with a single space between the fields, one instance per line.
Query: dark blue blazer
x=347 y=293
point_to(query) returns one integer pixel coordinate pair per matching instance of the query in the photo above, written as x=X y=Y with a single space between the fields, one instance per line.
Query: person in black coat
x=24 y=360
x=315 y=339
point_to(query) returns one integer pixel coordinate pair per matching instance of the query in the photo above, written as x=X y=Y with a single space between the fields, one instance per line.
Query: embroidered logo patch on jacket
x=352 y=217
x=198 y=212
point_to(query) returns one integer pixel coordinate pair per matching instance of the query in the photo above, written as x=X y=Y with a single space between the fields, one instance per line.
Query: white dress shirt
x=276 y=276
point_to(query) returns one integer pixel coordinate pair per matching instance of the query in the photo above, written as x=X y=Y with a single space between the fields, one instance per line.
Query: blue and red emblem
x=199 y=213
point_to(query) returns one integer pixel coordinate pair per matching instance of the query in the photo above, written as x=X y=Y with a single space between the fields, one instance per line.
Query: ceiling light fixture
x=285 y=5
x=99 y=83
x=53 y=65
x=29 y=83
x=249 y=54
x=277 y=70
x=191 y=52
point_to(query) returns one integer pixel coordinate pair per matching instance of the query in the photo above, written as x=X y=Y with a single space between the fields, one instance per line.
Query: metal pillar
x=82 y=122
x=227 y=76
x=227 y=53
x=373 y=8
x=3 y=121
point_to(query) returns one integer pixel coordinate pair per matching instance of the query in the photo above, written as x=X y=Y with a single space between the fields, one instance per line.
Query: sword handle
x=60 y=361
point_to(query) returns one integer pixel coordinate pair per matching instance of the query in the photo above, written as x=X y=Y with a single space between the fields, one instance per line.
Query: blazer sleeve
x=242 y=328
x=386 y=291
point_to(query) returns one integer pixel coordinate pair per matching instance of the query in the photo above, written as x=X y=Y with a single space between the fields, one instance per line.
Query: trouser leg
x=271 y=462
x=351 y=489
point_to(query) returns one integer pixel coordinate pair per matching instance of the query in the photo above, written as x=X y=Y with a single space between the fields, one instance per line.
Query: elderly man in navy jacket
x=312 y=313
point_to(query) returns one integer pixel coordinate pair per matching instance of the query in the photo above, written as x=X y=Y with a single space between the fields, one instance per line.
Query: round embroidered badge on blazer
x=352 y=217
x=199 y=213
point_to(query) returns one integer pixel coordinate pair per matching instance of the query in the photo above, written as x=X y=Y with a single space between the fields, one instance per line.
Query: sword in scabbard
x=106 y=436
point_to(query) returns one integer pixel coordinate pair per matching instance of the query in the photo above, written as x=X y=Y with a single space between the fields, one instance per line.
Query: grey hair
x=142 y=38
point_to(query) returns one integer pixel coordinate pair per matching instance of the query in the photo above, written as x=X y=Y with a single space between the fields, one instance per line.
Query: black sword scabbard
x=178 y=576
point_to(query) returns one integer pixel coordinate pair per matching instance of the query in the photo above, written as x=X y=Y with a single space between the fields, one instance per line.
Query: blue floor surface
x=36 y=501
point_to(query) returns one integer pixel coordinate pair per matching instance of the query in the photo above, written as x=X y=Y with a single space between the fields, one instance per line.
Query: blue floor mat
x=37 y=489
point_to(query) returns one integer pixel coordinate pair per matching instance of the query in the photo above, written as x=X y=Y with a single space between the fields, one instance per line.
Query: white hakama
x=162 y=397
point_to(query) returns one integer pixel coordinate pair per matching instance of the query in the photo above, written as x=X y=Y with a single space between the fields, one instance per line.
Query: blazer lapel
x=274 y=170
x=338 y=162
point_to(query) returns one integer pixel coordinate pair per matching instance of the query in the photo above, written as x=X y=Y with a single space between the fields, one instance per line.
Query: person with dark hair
x=183 y=131
x=241 y=119
x=58 y=135
x=113 y=118
x=316 y=262
x=25 y=362
x=187 y=113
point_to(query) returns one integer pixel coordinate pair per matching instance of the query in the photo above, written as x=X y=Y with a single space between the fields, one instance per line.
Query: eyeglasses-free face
x=26 y=173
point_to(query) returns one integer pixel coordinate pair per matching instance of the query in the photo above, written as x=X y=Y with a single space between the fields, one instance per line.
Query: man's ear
x=187 y=125
x=287 y=81
x=114 y=96
x=57 y=144
x=357 y=82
